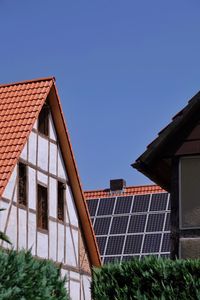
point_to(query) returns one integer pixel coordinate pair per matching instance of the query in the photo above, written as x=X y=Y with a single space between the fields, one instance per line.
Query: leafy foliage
x=23 y=277
x=149 y=278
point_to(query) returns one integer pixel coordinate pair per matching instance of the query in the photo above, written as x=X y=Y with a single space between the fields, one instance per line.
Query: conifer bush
x=149 y=278
x=23 y=277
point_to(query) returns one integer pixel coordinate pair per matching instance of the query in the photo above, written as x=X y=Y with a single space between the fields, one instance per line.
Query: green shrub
x=23 y=277
x=149 y=278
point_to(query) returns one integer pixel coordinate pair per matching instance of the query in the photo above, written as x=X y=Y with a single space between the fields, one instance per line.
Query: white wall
x=32 y=188
x=11 y=186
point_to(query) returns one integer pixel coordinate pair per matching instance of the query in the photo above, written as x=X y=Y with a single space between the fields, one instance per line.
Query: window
x=22 y=197
x=60 y=211
x=189 y=192
x=42 y=208
x=43 y=120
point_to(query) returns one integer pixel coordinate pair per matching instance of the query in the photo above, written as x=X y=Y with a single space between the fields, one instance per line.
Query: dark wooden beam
x=175 y=235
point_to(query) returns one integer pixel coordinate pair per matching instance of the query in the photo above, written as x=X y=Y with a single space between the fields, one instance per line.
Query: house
x=172 y=160
x=130 y=221
x=39 y=183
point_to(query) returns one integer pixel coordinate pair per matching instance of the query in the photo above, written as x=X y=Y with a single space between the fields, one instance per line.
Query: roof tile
x=131 y=190
x=19 y=104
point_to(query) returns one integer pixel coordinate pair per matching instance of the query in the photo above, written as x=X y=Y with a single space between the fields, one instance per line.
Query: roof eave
x=171 y=134
x=153 y=176
x=74 y=178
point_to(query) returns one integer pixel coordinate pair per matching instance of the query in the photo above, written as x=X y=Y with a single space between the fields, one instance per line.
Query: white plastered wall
x=22 y=229
x=11 y=229
x=11 y=186
x=86 y=282
x=52 y=240
x=32 y=232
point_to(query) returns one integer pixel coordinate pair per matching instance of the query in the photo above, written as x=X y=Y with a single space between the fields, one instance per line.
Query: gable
x=25 y=102
x=156 y=161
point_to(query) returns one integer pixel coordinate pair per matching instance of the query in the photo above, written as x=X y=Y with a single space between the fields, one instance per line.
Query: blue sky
x=122 y=68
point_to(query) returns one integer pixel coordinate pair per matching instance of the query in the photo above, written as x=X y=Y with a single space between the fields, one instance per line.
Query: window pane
x=42 y=213
x=22 y=199
x=189 y=193
x=60 y=211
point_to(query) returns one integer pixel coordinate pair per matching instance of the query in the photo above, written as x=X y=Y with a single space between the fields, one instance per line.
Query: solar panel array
x=127 y=226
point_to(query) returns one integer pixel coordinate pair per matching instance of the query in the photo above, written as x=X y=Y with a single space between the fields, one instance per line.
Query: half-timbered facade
x=39 y=184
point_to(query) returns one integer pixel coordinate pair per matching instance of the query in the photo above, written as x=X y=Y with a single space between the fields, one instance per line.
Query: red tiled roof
x=131 y=190
x=20 y=104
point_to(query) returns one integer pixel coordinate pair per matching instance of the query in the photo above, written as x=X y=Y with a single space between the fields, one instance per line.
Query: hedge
x=23 y=277
x=149 y=278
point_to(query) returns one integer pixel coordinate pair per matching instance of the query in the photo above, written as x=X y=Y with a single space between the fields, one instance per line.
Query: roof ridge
x=28 y=81
x=127 y=187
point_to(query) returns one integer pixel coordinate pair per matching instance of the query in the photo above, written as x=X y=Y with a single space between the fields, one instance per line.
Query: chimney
x=117 y=185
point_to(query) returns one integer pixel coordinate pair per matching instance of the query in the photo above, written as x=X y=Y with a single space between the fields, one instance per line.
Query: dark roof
x=156 y=161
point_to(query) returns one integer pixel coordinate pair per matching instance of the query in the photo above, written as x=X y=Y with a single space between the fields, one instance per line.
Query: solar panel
x=141 y=203
x=101 y=240
x=167 y=222
x=166 y=242
x=101 y=225
x=151 y=243
x=111 y=259
x=92 y=206
x=159 y=202
x=119 y=225
x=131 y=226
x=149 y=254
x=133 y=244
x=137 y=223
x=130 y=257
x=155 y=222
x=115 y=245
x=123 y=205
x=169 y=204
x=106 y=206
x=165 y=255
